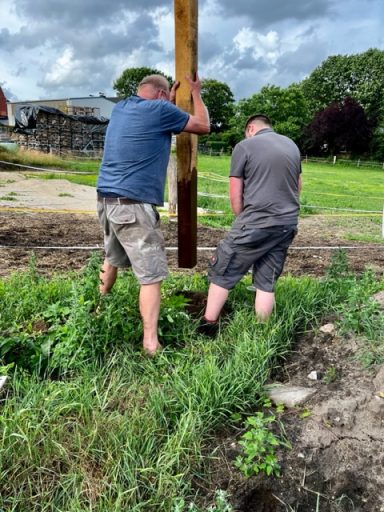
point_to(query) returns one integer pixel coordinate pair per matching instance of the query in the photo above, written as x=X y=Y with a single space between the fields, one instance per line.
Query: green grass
x=88 y=423
x=10 y=196
x=328 y=190
x=323 y=184
x=38 y=159
x=343 y=187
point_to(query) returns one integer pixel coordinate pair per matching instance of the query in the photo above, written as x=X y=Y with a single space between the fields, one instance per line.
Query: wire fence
x=212 y=176
x=346 y=162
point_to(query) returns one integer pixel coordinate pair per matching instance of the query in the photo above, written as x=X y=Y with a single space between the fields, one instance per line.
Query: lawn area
x=324 y=185
x=90 y=424
x=328 y=190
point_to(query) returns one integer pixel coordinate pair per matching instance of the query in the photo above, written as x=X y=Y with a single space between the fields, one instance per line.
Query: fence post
x=334 y=160
x=358 y=163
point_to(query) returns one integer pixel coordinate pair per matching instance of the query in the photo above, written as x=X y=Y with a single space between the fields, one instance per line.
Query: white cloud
x=67 y=47
x=261 y=46
x=65 y=67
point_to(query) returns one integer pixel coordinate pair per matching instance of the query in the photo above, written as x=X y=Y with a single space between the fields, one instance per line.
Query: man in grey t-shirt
x=265 y=182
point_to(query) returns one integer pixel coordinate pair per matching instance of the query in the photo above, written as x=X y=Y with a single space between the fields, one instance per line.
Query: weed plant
x=88 y=423
x=259 y=446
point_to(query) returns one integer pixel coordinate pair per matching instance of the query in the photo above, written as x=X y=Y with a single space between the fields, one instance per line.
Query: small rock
x=3 y=380
x=379 y=297
x=328 y=329
x=313 y=375
x=376 y=407
x=289 y=395
x=378 y=381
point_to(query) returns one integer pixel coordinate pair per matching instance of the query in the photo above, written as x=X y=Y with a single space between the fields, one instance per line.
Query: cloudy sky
x=63 y=48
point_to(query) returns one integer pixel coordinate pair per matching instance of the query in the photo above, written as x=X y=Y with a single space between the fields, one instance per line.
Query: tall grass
x=44 y=160
x=88 y=423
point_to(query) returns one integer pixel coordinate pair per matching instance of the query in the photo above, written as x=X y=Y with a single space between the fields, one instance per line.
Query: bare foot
x=152 y=349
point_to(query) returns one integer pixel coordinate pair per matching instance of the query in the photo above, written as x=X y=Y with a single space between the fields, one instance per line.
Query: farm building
x=49 y=130
x=96 y=106
x=61 y=125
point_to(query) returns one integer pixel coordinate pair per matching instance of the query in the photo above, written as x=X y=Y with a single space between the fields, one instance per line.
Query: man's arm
x=198 y=122
x=236 y=186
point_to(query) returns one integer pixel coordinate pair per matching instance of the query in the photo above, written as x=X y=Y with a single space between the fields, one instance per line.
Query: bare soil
x=336 y=461
x=59 y=215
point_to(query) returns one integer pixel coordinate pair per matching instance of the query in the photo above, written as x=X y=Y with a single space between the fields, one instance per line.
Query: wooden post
x=172 y=185
x=186 y=15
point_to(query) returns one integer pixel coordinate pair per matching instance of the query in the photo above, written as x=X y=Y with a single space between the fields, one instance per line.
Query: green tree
x=219 y=100
x=128 y=81
x=359 y=76
x=287 y=108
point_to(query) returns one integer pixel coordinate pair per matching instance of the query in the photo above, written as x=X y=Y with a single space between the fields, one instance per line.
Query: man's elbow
x=197 y=126
x=204 y=129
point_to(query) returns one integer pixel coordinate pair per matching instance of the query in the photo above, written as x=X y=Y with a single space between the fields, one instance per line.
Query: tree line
x=338 y=108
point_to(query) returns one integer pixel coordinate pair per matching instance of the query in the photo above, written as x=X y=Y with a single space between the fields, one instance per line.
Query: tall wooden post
x=186 y=16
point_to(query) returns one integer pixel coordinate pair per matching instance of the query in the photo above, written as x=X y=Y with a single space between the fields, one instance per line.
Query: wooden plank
x=186 y=20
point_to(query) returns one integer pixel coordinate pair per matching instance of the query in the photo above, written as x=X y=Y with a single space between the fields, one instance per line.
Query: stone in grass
x=3 y=380
x=289 y=395
x=327 y=329
x=379 y=298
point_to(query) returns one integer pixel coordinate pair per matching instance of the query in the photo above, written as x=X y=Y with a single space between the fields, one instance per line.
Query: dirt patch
x=64 y=241
x=56 y=218
x=336 y=462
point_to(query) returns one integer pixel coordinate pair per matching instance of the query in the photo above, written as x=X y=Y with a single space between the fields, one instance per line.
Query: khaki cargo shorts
x=132 y=238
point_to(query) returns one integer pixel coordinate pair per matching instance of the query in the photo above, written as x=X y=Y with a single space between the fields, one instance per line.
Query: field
x=89 y=424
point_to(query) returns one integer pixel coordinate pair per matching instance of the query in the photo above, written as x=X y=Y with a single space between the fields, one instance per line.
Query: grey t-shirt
x=270 y=166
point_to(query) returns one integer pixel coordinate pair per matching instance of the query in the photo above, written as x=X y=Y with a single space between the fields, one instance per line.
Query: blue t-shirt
x=137 y=147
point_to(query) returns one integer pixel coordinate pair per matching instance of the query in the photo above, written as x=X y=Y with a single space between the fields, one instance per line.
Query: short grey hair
x=156 y=81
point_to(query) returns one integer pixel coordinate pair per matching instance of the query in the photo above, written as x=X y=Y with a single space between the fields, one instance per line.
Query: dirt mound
x=336 y=461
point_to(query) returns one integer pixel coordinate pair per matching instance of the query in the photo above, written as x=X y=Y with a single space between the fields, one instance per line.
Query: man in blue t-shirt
x=131 y=184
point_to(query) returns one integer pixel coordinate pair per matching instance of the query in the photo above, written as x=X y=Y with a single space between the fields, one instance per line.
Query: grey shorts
x=263 y=249
x=132 y=238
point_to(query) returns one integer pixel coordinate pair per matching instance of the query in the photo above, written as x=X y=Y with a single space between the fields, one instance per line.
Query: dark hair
x=258 y=117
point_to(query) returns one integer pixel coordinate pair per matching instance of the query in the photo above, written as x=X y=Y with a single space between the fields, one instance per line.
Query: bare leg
x=217 y=297
x=264 y=304
x=150 y=310
x=108 y=276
